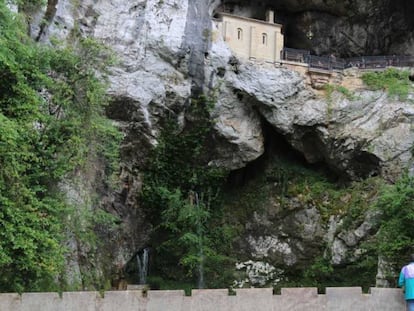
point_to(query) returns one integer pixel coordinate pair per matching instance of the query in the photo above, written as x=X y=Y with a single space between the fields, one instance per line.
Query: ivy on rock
x=51 y=121
x=182 y=199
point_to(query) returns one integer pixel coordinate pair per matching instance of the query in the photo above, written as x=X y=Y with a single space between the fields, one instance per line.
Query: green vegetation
x=286 y=179
x=395 y=82
x=29 y=2
x=395 y=240
x=393 y=205
x=182 y=197
x=329 y=89
x=347 y=93
x=51 y=123
x=286 y=185
x=321 y=274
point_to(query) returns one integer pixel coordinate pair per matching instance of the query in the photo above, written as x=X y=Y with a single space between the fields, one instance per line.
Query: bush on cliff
x=51 y=113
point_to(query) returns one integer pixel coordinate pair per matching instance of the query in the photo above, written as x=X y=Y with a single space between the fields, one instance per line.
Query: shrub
x=395 y=82
x=51 y=120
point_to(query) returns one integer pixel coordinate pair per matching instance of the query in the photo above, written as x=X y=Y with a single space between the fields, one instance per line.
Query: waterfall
x=142 y=261
x=200 y=245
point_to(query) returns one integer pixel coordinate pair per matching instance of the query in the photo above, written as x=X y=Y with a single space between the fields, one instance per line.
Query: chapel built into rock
x=250 y=38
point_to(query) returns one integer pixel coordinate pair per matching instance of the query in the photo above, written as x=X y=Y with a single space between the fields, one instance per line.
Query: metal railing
x=336 y=63
x=295 y=55
x=320 y=62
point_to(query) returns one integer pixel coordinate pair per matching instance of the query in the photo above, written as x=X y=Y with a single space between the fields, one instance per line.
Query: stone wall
x=260 y=299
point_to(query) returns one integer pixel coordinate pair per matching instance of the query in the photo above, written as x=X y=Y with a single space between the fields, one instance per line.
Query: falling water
x=142 y=262
x=200 y=246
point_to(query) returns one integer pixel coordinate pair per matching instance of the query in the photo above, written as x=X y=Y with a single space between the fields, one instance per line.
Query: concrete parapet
x=260 y=299
x=297 y=299
x=122 y=300
x=40 y=301
x=212 y=300
x=386 y=299
x=346 y=298
x=85 y=301
x=254 y=299
x=162 y=300
x=10 y=302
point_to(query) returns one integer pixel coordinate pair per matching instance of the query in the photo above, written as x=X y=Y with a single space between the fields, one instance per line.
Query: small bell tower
x=270 y=16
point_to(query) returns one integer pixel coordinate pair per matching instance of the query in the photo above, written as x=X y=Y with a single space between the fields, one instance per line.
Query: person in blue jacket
x=406 y=280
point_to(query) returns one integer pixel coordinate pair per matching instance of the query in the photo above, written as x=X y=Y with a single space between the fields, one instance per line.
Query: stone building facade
x=251 y=38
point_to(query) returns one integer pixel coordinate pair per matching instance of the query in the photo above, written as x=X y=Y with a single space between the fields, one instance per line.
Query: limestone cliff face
x=169 y=50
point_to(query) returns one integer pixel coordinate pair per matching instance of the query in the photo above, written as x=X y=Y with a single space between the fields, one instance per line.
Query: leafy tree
x=51 y=120
x=181 y=196
x=396 y=233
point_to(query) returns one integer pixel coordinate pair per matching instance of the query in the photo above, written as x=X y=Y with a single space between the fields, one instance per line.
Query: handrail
x=320 y=62
x=336 y=63
x=295 y=55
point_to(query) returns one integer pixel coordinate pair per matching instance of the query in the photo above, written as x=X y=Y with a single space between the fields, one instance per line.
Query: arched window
x=264 y=39
x=239 y=34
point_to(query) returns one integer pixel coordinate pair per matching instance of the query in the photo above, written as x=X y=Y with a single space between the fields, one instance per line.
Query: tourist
x=406 y=281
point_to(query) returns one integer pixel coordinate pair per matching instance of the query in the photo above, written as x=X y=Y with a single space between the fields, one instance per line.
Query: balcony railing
x=336 y=63
x=294 y=55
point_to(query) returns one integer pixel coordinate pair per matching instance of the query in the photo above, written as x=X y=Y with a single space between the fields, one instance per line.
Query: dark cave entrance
x=276 y=148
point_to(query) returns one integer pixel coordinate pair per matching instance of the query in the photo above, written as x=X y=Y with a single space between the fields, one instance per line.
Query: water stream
x=142 y=262
x=200 y=245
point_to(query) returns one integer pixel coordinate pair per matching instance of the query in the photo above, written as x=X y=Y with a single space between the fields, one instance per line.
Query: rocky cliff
x=169 y=51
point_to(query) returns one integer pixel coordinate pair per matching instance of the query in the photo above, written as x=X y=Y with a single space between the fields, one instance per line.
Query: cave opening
x=276 y=148
x=343 y=29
